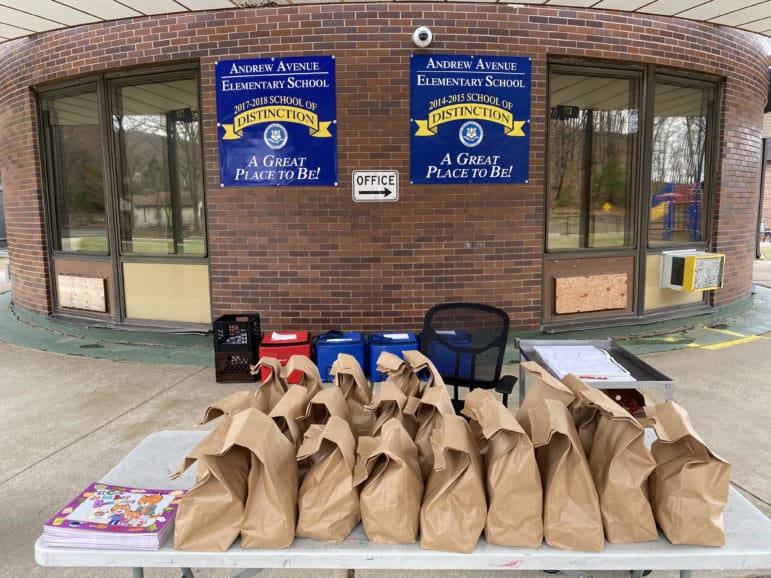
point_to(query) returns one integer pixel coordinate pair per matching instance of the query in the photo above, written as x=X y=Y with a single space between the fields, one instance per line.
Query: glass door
x=161 y=218
x=125 y=199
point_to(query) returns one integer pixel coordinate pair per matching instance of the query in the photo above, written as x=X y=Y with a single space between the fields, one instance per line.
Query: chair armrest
x=506 y=384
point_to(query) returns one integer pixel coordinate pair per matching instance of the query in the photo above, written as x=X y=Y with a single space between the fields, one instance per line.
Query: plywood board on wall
x=571 y=267
x=85 y=268
x=590 y=293
x=86 y=293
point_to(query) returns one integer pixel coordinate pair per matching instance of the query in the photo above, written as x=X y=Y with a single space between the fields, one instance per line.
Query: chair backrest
x=466 y=342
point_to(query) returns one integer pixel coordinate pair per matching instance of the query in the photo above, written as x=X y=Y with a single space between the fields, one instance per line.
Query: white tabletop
x=748 y=538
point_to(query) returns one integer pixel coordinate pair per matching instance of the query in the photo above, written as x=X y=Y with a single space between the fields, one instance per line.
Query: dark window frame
x=712 y=137
x=112 y=174
x=611 y=71
x=52 y=208
x=187 y=69
x=649 y=75
x=115 y=84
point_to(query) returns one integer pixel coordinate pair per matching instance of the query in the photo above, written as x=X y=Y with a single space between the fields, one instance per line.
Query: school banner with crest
x=470 y=119
x=276 y=120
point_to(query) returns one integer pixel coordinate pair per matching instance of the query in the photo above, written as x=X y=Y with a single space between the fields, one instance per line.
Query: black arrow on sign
x=386 y=192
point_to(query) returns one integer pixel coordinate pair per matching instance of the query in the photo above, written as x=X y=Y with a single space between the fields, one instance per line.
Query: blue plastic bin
x=392 y=342
x=329 y=345
x=445 y=358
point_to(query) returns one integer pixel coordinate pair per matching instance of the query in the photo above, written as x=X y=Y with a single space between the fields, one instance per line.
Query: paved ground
x=69 y=416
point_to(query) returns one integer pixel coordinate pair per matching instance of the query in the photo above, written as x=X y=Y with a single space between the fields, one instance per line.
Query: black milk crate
x=233 y=366
x=237 y=332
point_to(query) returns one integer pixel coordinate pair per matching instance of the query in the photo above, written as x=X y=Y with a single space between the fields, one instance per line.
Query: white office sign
x=375 y=186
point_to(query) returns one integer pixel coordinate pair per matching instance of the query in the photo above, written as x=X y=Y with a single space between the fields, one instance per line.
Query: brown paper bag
x=232 y=404
x=271 y=389
x=585 y=415
x=210 y=515
x=391 y=485
x=270 y=513
x=421 y=363
x=248 y=486
x=399 y=373
x=428 y=411
x=328 y=502
x=325 y=404
x=267 y=394
x=289 y=416
x=513 y=481
x=454 y=508
x=541 y=385
x=689 y=487
x=289 y=412
x=387 y=404
x=620 y=465
x=571 y=508
x=309 y=378
x=350 y=378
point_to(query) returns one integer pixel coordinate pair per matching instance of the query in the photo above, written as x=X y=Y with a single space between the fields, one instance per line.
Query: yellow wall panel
x=655 y=296
x=167 y=292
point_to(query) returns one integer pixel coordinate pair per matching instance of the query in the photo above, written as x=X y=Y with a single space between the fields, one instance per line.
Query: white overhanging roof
x=19 y=18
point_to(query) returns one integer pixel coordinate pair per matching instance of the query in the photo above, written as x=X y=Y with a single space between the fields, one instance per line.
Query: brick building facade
x=309 y=256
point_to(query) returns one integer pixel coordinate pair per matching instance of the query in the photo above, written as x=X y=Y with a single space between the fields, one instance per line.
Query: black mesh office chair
x=466 y=342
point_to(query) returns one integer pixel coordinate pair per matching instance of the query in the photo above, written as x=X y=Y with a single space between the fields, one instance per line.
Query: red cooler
x=283 y=345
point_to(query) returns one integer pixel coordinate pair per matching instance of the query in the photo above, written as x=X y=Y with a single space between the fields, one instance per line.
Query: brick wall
x=738 y=171
x=309 y=257
x=22 y=188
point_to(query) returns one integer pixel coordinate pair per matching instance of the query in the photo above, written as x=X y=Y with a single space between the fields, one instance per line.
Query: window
x=597 y=133
x=678 y=159
x=72 y=137
x=161 y=194
x=592 y=145
x=154 y=204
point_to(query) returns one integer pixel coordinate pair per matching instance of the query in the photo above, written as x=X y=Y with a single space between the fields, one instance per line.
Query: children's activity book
x=107 y=516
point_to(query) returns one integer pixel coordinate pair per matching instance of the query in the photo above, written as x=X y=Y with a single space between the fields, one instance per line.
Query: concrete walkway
x=69 y=418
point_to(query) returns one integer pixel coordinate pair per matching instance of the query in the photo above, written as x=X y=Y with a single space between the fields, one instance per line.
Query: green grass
x=598 y=240
x=145 y=246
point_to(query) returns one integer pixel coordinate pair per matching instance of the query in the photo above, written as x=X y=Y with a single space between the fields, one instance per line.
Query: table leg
x=685 y=574
x=137 y=572
x=522 y=386
x=187 y=573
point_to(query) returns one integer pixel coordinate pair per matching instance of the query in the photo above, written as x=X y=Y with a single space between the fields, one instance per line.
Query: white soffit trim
x=20 y=18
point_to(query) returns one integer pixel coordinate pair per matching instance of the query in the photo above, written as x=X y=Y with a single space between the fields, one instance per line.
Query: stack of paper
x=105 y=516
x=586 y=362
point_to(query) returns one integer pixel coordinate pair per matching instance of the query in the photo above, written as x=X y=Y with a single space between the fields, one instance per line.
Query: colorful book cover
x=107 y=516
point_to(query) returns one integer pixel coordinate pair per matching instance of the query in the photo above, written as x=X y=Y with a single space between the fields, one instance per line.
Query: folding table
x=748 y=538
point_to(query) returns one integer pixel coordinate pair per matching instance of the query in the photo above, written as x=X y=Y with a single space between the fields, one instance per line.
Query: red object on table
x=283 y=345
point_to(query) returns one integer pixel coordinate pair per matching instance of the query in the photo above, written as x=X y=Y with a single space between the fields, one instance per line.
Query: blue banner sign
x=470 y=119
x=276 y=121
